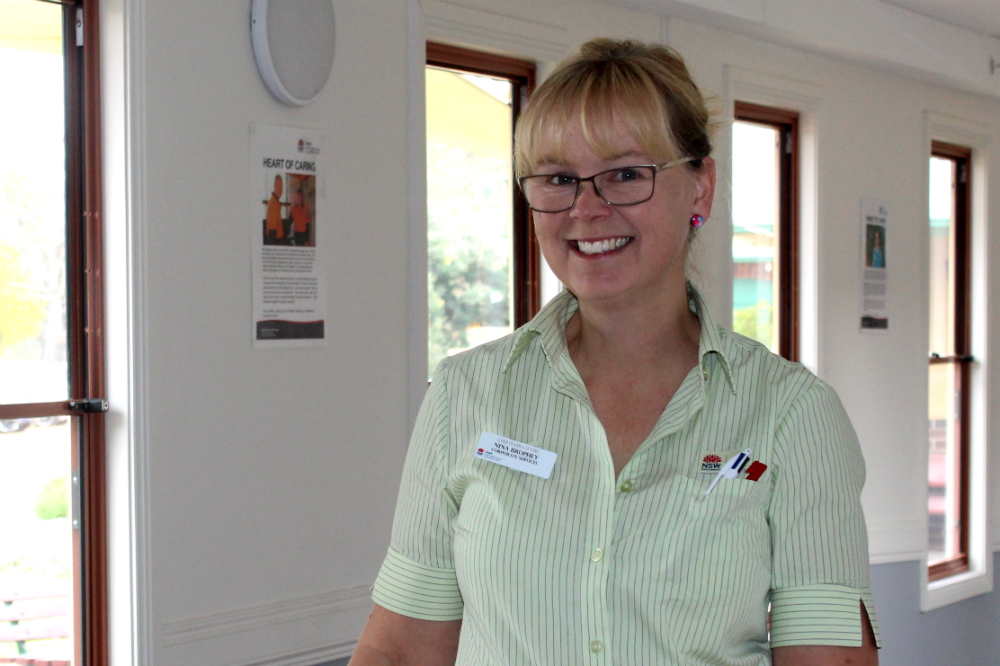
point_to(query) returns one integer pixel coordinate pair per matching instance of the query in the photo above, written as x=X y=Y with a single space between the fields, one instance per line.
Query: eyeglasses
x=621 y=186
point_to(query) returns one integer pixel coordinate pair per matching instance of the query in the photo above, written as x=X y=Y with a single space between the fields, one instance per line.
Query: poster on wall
x=287 y=207
x=874 y=266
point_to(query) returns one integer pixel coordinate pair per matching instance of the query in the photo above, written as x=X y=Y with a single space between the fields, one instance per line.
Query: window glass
x=469 y=211
x=38 y=567
x=36 y=550
x=756 y=211
x=944 y=399
x=32 y=205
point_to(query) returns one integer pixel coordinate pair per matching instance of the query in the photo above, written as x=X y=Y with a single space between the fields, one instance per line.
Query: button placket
x=594 y=591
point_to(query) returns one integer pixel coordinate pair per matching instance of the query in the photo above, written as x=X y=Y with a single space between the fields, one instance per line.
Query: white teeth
x=602 y=246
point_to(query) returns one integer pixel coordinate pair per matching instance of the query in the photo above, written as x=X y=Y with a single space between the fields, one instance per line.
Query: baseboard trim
x=209 y=627
x=307 y=657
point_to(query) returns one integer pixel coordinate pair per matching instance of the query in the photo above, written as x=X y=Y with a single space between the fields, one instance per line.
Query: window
x=950 y=360
x=52 y=517
x=482 y=256
x=765 y=226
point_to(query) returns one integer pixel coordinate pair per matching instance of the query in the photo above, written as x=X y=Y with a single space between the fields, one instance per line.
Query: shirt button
x=704 y=373
x=597 y=555
x=596 y=646
x=626 y=486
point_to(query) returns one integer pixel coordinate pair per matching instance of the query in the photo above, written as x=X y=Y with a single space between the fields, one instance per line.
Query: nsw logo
x=712 y=462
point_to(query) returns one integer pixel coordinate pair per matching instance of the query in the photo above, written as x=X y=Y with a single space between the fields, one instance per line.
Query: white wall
x=270 y=475
x=260 y=484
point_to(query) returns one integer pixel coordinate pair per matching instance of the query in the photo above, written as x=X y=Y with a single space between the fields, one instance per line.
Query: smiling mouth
x=601 y=246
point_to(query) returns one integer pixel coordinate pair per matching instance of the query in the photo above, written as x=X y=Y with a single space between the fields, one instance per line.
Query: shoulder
x=487 y=363
x=795 y=398
x=757 y=369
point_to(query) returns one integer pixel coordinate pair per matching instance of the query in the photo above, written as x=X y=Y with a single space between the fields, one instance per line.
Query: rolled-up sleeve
x=417 y=578
x=819 y=539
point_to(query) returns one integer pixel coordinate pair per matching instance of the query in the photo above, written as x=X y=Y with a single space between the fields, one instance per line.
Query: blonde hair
x=611 y=84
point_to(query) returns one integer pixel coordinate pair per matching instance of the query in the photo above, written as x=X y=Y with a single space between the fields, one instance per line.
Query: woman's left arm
x=820 y=556
x=829 y=655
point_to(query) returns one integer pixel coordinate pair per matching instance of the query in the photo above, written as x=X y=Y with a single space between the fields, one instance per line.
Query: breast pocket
x=716 y=546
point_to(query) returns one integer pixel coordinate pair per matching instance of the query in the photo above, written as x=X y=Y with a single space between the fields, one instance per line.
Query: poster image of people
x=290 y=210
x=875 y=246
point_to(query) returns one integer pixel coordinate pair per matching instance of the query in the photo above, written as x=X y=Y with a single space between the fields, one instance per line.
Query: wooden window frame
x=526 y=255
x=961 y=357
x=787 y=124
x=85 y=328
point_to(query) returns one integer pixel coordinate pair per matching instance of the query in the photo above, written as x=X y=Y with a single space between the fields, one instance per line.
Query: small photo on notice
x=290 y=211
x=875 y=246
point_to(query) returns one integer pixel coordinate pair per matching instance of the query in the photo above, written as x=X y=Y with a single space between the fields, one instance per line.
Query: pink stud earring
x=697 y=220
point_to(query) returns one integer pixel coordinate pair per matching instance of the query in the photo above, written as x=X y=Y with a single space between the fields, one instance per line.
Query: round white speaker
x=293 y=43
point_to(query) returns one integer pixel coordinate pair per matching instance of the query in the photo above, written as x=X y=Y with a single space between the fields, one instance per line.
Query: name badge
x=516 y=455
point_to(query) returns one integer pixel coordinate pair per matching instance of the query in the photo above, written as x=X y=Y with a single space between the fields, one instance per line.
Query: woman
x=567 y=496
x=300 y=220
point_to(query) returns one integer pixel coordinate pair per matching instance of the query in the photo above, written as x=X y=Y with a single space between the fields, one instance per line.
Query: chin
x=597 y=291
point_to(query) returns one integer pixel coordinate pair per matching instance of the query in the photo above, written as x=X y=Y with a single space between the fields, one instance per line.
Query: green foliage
x=53 y=501
x=468 y=246
x=756 y=322
x=22 y=309
x=32 y=258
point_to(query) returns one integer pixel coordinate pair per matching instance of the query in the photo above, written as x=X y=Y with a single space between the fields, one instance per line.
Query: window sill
x=955 y=588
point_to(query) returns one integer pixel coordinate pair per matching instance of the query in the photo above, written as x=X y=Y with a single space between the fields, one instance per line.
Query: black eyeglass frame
x=657 y=168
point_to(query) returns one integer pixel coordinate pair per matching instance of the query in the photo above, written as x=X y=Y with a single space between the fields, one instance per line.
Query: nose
x=589 y=201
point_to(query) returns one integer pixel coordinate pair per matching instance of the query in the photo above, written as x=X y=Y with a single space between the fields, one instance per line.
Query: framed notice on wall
x=287 y=217
x=874 y=266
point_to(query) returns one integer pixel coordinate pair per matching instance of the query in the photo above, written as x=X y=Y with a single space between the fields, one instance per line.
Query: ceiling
x=982 y=16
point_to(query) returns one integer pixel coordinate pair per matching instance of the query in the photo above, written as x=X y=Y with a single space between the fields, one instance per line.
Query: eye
x=628 y=174
x=560 y=180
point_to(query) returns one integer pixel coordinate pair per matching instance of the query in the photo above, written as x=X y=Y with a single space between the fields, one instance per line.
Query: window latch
x=89 y=405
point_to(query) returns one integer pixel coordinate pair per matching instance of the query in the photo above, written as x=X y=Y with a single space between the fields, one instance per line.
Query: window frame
x=786 y=122
x=961 y=358
x=526 y=254
x=85 y=326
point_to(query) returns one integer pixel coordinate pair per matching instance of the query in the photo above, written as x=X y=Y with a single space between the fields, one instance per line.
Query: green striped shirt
x=586 y=568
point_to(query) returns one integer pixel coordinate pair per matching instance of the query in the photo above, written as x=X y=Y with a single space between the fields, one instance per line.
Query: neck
x=651 y=333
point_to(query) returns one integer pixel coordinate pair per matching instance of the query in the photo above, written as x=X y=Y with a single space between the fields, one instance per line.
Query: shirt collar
x=549 y=327
x=710 y=341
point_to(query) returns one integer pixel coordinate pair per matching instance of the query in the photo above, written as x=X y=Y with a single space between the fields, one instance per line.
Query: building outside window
x=950 y=361
x=765 y=227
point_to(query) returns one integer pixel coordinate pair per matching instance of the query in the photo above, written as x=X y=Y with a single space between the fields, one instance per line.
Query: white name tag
x=516 y=455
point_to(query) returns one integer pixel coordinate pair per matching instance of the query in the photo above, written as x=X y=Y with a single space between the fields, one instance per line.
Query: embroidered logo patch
x=710 y=462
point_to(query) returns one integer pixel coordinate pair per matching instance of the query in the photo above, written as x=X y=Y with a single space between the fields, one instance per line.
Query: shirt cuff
x=820 y=615
x=412 y=589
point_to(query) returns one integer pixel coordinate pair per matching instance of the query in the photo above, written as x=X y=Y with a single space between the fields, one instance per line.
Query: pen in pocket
x=731 y=469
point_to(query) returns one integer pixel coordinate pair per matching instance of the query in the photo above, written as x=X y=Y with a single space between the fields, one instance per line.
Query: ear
x=704 y=188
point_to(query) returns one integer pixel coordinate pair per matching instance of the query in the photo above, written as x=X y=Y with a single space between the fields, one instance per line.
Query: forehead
x=575 y=143
x=600 y=130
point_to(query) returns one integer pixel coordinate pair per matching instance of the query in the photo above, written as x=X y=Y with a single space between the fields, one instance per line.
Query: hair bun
x=603 y=48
